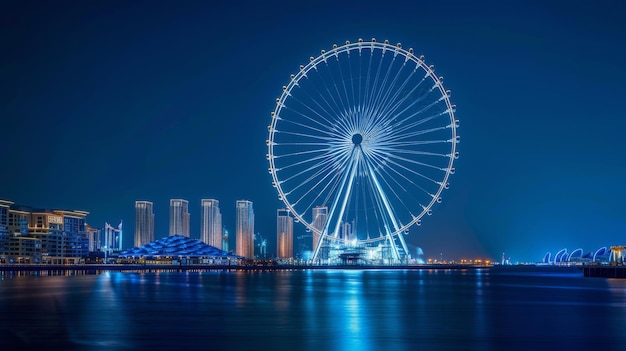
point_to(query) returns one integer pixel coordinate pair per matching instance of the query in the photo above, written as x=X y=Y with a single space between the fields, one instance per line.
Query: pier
x=605 y=271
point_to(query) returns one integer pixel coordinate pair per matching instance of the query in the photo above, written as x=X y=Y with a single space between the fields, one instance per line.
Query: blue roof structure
x=174 y=246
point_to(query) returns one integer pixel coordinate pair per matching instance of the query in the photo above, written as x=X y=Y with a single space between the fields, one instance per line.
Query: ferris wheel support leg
x=349 y=177
x=394 y=248
x=318 y=244
x=387 y=206
x=404 y=246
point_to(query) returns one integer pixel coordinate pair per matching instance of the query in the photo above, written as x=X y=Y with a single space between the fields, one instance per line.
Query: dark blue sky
x=107 y=102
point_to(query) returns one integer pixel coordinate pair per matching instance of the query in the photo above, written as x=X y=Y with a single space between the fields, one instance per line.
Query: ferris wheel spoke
x=305 y=183
x=326 y=131
x=332 y=107
x=400 y=127
x=412 y=152
x=393 y=107
x=392 y=189
x=409 y=135
x=327 y=156
x=373 y=92
x=381 y=164
x=396 y=144
x=390 y=156
x=331 y=183
x=381 y=85
x=340 y=125
x=386 y=89
x=403 y=176
x=384 y=226
x=287 y=167
x=366 y=94
x=407 y=138
x=388 y=102
x=328 y=124
x=350 y=75
x=389 y=166
x=308 y=136
x=301 y=153
x=391 y=162
x=299 y=144
x=345 y=89
x=343 y=104
x=335 y=97
x=330 y=180
x=404 y=120
x=323 y=92
x=393 y=115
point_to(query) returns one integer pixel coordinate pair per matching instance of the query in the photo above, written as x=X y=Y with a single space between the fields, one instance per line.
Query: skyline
x=109 y=103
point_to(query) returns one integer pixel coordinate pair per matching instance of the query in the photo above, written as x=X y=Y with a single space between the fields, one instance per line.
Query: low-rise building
x=29 y=235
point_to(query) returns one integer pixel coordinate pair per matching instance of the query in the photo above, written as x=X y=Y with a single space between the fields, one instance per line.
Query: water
x=313 y=310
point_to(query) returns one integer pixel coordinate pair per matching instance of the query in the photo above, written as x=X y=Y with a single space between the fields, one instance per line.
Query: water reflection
x=311 y=310
x=99 y=319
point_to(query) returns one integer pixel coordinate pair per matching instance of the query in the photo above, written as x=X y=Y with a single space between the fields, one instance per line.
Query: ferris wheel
x=361 y=144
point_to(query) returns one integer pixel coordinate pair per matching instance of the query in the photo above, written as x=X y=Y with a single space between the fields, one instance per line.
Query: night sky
x=108 y=102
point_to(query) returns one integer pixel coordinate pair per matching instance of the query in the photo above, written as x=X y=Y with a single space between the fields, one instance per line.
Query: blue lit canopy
x=174 y=246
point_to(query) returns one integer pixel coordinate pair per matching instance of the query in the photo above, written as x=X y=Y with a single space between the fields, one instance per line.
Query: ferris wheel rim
x=334 y=53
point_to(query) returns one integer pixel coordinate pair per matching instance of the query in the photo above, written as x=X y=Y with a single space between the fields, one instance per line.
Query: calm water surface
x=314 y=310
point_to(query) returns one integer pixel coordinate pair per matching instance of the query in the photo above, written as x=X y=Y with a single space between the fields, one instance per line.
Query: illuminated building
x=347 y=233
x=93 y=234
x=225 y=239
x=284 y=234
x=179 y=217
x=176 y=249
x=30 y=235
x=4 y=225
x=211 y=226
x=113 y=237
x=617 y=255
x=244 y=239
x=562 y=257
x=144 y=223
x=320 y=215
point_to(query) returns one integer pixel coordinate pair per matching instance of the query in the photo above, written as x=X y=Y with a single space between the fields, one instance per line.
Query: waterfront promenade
x=586 y=271
x=232 y=267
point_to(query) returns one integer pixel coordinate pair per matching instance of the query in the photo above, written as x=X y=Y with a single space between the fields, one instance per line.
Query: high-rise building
x=113 y=237
x=320 y=216
x=284 y=234
x=5 y=206
x=179 y=217
x=211 y=226
x=144 y=223
x=347 y=233
x=245 y=229
x=93 y=234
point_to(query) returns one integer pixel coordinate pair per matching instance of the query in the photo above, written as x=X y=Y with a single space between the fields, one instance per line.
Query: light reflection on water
x=312 y=310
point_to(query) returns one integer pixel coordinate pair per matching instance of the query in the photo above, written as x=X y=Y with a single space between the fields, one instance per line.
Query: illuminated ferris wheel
x=366 y=132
